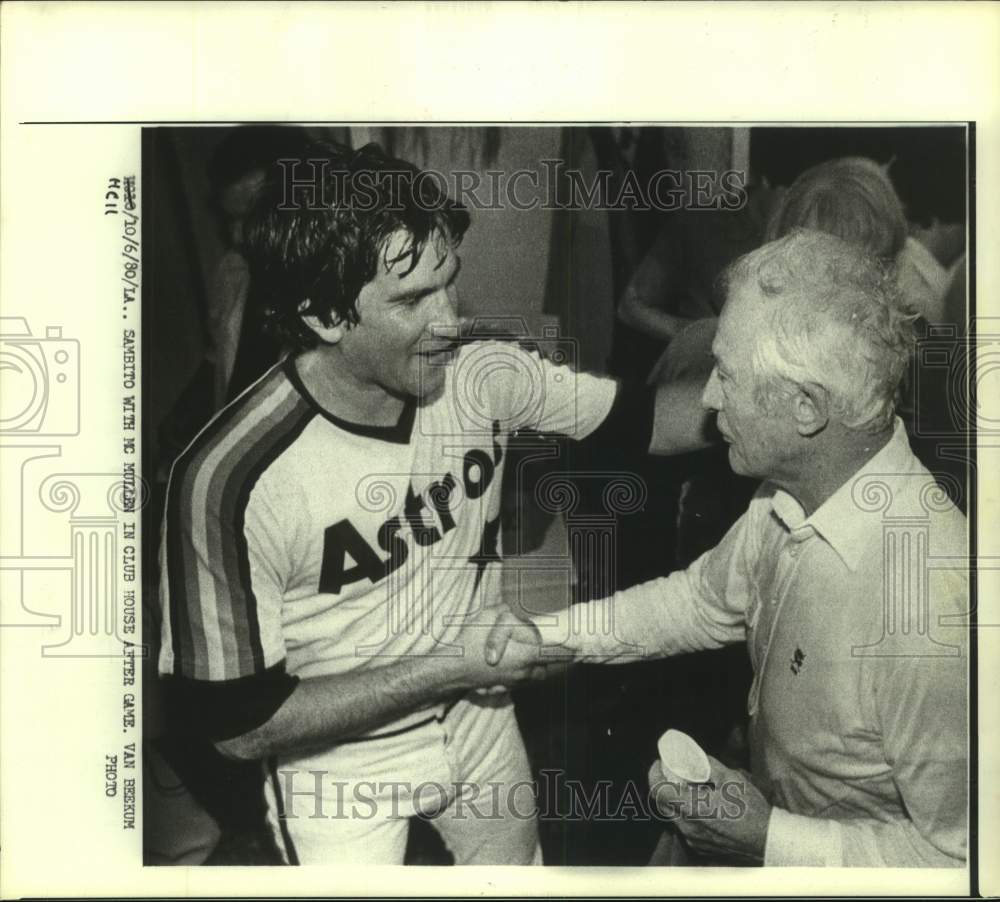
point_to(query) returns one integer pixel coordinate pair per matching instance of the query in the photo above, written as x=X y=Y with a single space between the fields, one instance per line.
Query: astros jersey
x=298 y=545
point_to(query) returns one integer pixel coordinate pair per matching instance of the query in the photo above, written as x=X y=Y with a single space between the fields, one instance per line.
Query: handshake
x=501 y=651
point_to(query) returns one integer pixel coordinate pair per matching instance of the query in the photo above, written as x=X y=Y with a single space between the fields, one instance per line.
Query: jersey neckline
x=398 y=434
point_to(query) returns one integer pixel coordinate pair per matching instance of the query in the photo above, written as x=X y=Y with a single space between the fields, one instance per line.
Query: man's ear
x=327 y=334
x=811 y=408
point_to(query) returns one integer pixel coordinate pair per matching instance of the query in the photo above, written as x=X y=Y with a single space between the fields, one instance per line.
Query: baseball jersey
x=298 y=545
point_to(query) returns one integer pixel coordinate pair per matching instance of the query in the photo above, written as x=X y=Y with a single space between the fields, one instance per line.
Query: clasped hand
x=503 y=652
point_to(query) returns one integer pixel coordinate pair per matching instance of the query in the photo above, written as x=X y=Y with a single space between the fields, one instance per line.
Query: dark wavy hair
x=322 y=222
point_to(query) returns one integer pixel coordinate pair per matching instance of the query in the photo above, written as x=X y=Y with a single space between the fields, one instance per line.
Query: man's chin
x=736 y=462
x=430 y=386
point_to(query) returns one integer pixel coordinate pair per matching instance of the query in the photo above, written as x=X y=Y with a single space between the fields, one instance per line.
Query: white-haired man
x=846 y=577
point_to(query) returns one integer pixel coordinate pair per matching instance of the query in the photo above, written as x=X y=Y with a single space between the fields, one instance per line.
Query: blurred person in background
x=854 y=199
x=242 y=350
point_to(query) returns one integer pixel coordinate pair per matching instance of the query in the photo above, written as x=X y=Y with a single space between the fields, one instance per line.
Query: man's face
x=762 y=441
x=408 y=323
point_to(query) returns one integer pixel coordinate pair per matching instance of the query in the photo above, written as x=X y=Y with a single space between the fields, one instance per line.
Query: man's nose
x=711 y=397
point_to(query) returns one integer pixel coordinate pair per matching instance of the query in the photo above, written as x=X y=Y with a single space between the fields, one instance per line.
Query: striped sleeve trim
x=213 y=607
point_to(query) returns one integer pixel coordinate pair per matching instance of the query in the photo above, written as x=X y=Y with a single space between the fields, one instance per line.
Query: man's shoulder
x=915 y=499
x=249 y=431
x=913 y=527
x=893 y=500
x=484 y=368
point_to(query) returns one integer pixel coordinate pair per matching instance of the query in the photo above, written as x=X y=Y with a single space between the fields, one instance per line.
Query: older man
x=846 y=577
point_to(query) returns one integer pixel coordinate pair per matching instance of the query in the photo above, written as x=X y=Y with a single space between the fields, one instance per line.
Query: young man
x=846 y=577
x=330 y=559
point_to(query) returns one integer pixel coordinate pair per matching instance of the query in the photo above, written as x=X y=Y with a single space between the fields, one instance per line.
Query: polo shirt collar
x=839 y=520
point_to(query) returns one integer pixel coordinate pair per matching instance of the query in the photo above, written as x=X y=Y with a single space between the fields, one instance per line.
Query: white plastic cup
x=682 y=756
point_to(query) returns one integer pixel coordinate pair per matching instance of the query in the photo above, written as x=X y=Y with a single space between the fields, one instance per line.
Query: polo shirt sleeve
x=702 y=607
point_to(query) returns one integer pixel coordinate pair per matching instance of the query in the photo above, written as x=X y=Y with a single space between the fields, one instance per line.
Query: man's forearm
x=662 y=617
x=322 y=710
x=574 y=634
